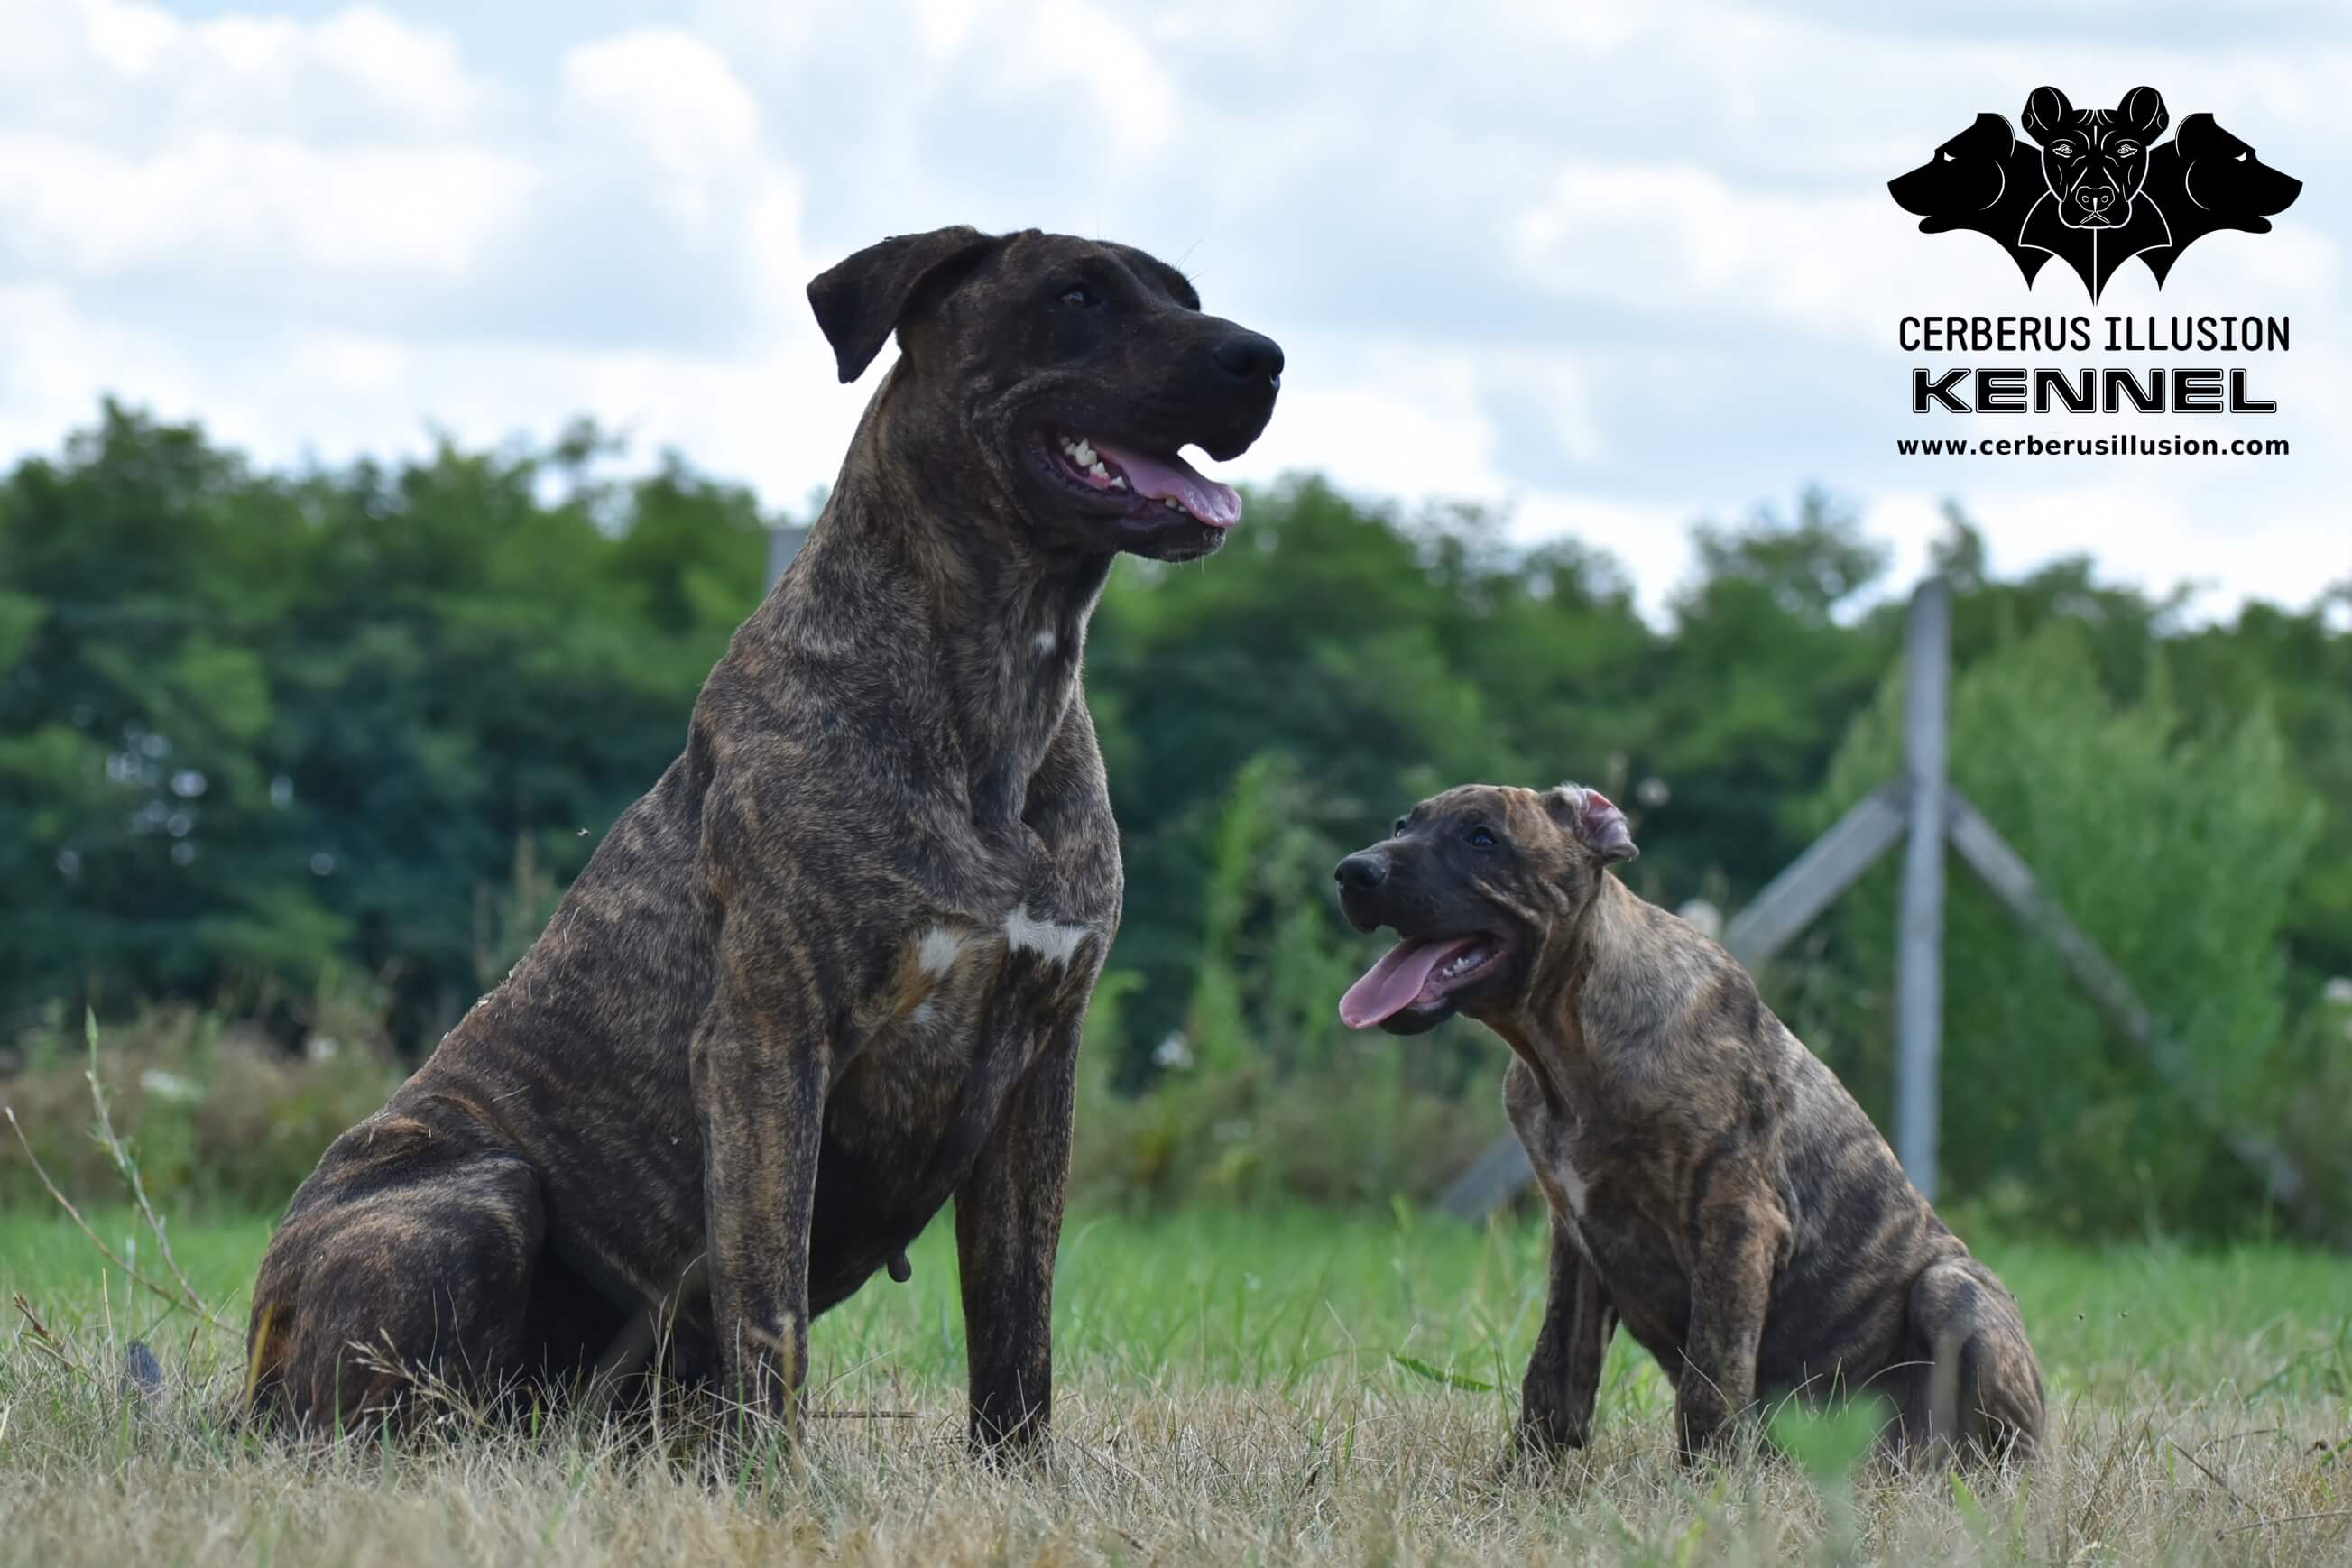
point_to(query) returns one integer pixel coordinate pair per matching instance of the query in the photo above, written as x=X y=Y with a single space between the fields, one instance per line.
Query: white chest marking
x=1055 y=944
x=940 y=949
x=1562 y=1164
x=1571 y=1182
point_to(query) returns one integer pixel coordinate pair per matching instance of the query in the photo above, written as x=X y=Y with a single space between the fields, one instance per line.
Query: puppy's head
x=1060 y=377
x=1969 y=175
x=2221 y=176
x=1475 y=882
x=2096 y=159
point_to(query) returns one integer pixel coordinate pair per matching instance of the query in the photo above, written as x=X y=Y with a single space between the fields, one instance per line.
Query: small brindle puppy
x=1713 y=1186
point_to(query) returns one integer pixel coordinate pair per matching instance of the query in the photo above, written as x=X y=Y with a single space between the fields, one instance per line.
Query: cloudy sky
x=1613 y=267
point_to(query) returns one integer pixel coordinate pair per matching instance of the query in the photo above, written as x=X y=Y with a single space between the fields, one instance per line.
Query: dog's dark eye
x=2062 y=149
x=1397 y=831
x=1078 y=295
x=1480 y=837
x=2127 y=148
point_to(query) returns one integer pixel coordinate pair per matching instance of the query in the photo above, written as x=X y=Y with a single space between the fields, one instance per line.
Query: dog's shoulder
x=1682 y=1027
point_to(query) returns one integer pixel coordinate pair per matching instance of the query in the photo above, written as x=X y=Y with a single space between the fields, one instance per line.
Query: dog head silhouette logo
x=2095 y=187
x=2207 y=180
x=1984 y=181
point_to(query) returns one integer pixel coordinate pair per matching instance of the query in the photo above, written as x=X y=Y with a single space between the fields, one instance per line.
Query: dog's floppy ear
x=860 y=303
x=2045 y=112
x=1595 y=820
x=2143 y=110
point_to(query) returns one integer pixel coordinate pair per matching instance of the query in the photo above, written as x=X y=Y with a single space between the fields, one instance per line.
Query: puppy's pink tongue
x=1390 y=986
x=1172 y=479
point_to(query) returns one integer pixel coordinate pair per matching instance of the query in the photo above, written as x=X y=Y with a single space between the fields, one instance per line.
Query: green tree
x=2177 y=850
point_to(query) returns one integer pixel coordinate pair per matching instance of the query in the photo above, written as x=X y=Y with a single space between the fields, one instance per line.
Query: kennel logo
x=2095 y=187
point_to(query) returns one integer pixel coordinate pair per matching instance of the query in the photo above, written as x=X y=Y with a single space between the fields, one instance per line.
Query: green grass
x=1261 y=1298
x=1283 y=1386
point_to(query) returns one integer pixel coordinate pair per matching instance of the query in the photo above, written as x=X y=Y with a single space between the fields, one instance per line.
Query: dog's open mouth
x=1147 y=483
x=1418 y=974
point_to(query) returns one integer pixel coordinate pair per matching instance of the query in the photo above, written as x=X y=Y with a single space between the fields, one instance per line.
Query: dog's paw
x=1704 y=1427
x=1539 y=1444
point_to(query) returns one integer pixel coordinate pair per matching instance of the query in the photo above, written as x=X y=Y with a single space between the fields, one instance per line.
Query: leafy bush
x=217 y=1116
x=1263 y=1094
x=2175 y=849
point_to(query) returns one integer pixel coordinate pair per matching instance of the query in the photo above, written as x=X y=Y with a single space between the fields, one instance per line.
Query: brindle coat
x=830 y=972
x=1712 y=1186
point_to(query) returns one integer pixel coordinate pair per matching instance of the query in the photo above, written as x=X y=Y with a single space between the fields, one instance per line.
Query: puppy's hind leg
x=1973 y=1386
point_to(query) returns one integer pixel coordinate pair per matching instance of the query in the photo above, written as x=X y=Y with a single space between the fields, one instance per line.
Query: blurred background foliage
x=293 y=766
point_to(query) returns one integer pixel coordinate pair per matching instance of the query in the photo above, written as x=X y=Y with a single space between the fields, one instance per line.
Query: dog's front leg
x=759 y=1077
x=1738 y=1247
x=1008 y=1227
x=1563 y=1377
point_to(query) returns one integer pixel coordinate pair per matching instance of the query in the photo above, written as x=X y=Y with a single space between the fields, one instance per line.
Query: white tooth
x=1098 y=471
x=1085 y=454
x=1119 y=481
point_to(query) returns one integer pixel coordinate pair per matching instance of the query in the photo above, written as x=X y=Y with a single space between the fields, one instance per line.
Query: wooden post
x=1919 y=973
x=1778 y=915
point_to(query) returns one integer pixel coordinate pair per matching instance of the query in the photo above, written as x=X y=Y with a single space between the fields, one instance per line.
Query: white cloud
x=1610 y=267
x=117 y=70
x=667 y=93
x=228 y=205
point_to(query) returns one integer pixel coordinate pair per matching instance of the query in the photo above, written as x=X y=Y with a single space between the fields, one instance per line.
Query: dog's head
x=2096 y=159
x=1478 y=881
x=1967 y=176
x=2223 y=178
x=1064 y=374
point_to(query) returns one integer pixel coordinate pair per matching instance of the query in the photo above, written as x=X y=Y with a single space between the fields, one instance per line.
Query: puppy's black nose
x=1363 y=871
x=1250 y=356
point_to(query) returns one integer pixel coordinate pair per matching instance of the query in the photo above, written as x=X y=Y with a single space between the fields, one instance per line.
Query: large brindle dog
x=830 y=971
x=1712 y=1184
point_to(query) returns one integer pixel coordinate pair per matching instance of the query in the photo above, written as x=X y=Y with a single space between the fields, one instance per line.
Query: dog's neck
x=1564 y=1025
x=953 y=580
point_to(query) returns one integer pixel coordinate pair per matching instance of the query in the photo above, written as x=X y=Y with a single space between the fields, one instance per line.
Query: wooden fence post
x=1920 y=974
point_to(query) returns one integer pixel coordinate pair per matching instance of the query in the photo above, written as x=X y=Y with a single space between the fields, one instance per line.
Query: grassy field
x=1263 y=1389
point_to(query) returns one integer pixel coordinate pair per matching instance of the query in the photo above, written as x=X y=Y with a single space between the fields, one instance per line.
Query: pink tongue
x=1161 y=480
x=1391 y=985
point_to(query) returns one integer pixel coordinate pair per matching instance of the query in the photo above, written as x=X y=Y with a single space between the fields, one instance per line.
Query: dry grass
x=1284 y=1389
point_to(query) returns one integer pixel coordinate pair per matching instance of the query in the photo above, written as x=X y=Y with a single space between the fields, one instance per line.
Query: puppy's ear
x=1594 y=819
x=2143 y=110
x=2045 y=112
x=860 y=303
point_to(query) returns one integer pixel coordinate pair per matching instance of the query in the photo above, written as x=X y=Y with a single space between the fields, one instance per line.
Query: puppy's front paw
x=1703 y=1422
x=1548 y=1436
x=1538 y=1448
